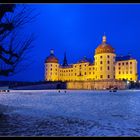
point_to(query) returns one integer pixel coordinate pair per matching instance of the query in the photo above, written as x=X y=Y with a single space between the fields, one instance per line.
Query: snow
x=74 y=113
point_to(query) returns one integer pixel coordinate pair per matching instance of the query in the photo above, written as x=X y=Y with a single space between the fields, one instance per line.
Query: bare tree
x=13 y=45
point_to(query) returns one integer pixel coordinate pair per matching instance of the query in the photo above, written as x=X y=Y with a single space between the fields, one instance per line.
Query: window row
x=124 y=72
x=123 y=63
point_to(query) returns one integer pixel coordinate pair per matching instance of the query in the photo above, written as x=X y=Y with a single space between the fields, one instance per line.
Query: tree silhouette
x=13 y=45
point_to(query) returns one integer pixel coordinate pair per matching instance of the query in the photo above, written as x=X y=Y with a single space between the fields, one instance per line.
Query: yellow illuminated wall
x=126 y=70
x=51 y=71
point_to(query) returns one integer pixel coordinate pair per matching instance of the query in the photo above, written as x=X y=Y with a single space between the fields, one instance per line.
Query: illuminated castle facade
x=106 y=67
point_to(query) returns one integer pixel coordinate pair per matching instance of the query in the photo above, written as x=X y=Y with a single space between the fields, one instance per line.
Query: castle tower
x=104 y=61
x=51 y=67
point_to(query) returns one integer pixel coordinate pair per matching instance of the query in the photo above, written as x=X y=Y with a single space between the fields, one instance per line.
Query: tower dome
x=51 y=58
x=104 y=47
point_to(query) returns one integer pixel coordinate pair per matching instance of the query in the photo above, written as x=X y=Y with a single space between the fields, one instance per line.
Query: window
x=130 y=78
x=89 y=72
x=56 y=69
x=108 y=62
x=119 y=64
x=108 y=67
x=100 y=68
x=126 y=63
x=93 y=72
x=89 y=68
x=100 y=56
x=123 y=63
x=119 y=68
x=75 y=74
x=127 y=72
x=108 y=56
x=130 y=62
x=119 y=72
x=50 y=68
x=101 y=76
x=130 y=72
x=85 y=65
x=108 y=76
x=101 y=62
x=85 y=73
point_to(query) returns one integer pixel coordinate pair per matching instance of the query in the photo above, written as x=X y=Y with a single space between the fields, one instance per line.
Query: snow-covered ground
x=74 y=113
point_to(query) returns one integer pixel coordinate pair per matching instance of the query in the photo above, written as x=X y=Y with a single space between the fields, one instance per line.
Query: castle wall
x=96 y=85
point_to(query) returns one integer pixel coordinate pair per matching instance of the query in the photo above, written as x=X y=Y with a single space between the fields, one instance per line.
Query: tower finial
x=52 y=51
x=104 y=38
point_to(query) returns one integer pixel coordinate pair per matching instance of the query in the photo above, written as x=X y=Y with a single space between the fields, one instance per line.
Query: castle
x=106 y=70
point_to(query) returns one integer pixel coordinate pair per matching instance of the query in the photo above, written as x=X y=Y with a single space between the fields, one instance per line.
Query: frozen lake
x=74 y=113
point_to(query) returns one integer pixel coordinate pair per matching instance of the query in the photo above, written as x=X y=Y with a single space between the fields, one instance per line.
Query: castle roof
x=104 y=47
x=51 y=58
x=123 y=58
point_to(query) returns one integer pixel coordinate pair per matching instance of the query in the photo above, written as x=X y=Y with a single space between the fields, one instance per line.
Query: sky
x=77 y=29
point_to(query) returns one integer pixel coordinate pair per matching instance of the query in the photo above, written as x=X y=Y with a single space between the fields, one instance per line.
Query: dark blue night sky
x=78 y=30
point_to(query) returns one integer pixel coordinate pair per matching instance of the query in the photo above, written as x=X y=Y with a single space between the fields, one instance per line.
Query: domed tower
x=51 y=67
x=104 y=61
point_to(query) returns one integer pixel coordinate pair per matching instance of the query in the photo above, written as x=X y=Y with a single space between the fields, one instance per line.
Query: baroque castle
x=106 y=70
